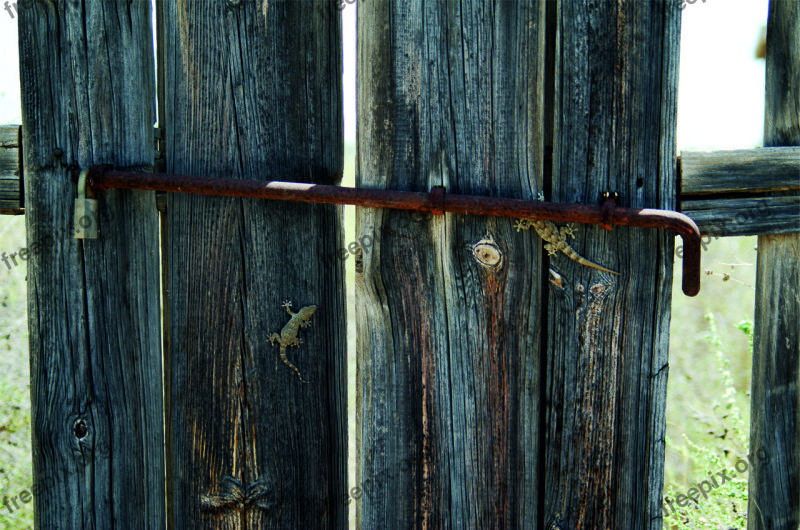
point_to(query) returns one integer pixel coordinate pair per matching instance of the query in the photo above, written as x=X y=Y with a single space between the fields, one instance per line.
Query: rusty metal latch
x=437 y=202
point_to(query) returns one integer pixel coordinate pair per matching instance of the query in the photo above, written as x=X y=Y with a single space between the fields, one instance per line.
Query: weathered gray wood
x=9 y=166
x=87 y=89
x=10 y=178
x=741 y=171
x=774 y=486
x=721 y=217
x=607 y=337
x=9 y=136
x=254 y=92
x=12 y=183
x=9 y=191
x=449 y=308
x=9 y=186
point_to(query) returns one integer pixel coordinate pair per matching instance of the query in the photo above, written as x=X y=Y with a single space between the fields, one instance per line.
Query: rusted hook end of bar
x=677 y=222
x=691 y=263
x=683 y=225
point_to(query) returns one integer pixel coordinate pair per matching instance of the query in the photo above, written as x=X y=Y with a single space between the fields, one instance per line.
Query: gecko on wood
x=288 y=336
x=557 y=239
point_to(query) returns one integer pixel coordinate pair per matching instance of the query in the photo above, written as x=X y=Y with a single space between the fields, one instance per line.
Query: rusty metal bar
x=437 y=202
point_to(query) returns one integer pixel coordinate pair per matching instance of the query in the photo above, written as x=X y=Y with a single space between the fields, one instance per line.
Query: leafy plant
x=713 y=501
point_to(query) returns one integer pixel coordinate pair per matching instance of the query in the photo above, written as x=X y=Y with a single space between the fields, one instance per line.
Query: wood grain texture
x=751 y=216
x=741 y=171
x=448 y=308
x=9 y=191
x=9 y=136
x=774 y=486
x=11 y=197
x=86 y=69
x=607 y=337
x=253 y=91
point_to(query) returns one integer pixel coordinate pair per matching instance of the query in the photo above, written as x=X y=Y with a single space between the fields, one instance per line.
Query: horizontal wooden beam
x=724 y=191
x=11 y=201
x=714 y=187
x=745 y=171
x=11 y=181
x=748 y=216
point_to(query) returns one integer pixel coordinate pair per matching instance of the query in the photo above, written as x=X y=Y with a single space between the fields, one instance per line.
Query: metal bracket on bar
x=436 y=202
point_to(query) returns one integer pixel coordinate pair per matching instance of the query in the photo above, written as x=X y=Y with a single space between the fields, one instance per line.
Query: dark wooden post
x=452 y=393
x=86 y=69
x=449 y=308
x=615 y=106
x=253 y=91
x=774 y=493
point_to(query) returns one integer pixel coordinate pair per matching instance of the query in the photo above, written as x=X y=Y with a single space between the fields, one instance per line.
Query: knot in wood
x=487 y=253
x=233 y=495
x=80 y=430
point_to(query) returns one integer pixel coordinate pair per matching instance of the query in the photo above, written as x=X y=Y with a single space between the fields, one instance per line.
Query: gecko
x=557 y=239
x=288 y=336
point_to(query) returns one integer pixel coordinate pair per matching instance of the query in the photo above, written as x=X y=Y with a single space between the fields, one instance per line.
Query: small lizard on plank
x=557 y=239
x=288 y=336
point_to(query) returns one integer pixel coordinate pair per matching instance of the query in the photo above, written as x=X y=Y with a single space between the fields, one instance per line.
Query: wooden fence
x=497 y=387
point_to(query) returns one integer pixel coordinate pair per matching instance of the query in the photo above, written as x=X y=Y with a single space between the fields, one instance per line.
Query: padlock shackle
x=82 y=184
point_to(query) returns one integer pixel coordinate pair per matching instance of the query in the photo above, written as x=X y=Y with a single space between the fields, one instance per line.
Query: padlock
x=85 y=222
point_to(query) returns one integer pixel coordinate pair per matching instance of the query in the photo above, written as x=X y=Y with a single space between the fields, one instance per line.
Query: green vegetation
x=15 y=401
x=712 y=500
x=708 y=394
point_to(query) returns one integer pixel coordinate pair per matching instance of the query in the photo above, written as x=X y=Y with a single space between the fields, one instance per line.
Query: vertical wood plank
x=87 y=89
x=774 y=484
x=254 y=92
x=448 y=308
x=615 y=102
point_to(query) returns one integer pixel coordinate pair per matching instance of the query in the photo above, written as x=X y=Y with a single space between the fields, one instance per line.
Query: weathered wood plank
x=607 y=337
x=9 y=191
x=745 y=216
x=449 y=308
x=87 y=89
x=9 y=164
x=9 y=136
x=9 y=186
x=254 y=92
x=11 y=198
x=741 y=171
x=774 y=486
